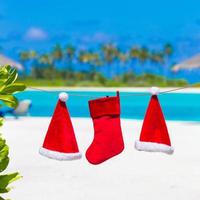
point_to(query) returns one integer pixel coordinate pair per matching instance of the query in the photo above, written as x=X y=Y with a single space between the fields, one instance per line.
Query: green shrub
x=8 y=87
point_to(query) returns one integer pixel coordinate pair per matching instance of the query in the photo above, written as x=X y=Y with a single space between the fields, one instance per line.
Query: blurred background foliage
x=70 y=66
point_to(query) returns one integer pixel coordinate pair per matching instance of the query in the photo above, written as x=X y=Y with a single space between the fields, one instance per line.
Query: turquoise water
x=175 y=106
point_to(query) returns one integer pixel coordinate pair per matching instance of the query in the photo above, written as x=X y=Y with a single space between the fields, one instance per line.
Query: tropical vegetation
x=8 y=87
x=71 y=66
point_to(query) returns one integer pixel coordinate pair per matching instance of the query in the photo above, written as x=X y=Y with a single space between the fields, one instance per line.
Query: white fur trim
x=58 y=155
x=153 y=147
x=154 y=90
x=63 y=96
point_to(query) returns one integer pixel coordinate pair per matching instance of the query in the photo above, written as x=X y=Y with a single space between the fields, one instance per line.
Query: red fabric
x=154 y=127
x=108 y=140
x=104 y=106
x=60 y=135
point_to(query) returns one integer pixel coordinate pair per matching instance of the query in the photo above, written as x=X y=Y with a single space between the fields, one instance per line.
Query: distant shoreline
x=122 y=89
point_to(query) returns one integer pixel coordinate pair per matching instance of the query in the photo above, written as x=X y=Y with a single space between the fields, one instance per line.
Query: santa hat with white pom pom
x=154 y=136
x=60 y=141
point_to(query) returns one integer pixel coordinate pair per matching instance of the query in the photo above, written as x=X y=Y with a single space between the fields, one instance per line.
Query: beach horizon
x=114 y=89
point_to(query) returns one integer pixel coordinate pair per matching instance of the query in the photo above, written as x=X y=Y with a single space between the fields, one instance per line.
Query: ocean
x=176 y=106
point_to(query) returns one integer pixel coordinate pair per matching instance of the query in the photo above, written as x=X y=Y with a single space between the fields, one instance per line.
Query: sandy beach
x=114 y=89
x=130 y=175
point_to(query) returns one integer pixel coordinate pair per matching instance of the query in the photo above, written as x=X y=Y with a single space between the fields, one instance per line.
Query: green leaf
x=3 y=164
x=1 y=121
x=12 y=76
x=4 y=190
x=8 y=76
x=3 y=75
x=2 y=143
x=4 y=69
x=16 y=87
x=8 y=67
x=4 y=152
x=9 y=100
x=5 y=180
x=1 y=197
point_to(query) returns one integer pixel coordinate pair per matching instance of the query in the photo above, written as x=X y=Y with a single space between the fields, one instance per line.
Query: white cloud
x=35 y=33
x=98 y=37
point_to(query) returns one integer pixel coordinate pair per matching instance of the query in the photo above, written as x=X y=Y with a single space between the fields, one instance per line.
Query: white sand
x=132 y=175
x=113 y=89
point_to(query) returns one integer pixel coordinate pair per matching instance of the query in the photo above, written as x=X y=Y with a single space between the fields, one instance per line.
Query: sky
x=144 y=20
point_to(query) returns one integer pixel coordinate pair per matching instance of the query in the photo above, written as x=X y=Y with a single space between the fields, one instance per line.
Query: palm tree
x=168 y=49
x=57 y=53
x=45 y=59
x=84 y=56
x=157 y=57
x=70 y=52
x=110 y=53
x=33 y=54
x=69 y=55
x=26 y=56
x=134 y=53
x=123 y=57
x=92 y=59
x=144 y=54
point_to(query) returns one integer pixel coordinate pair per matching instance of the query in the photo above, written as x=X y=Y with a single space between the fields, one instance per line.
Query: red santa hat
x=60 y=141
x=154 y=135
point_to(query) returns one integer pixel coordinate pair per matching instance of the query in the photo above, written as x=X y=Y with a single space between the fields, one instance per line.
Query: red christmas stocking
x=108 y=140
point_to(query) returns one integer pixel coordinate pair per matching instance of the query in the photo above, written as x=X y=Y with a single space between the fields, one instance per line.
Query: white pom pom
x=154 y=90
x=63 y=96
